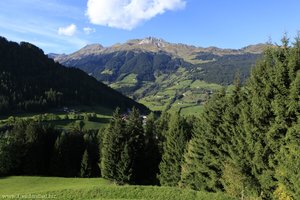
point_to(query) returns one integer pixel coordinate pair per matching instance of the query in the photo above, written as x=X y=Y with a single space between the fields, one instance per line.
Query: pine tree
x=239 y=181
x=162 y=126
x=135 y=141
x=265 y=113
x=112 y=146
x=173 y=149
x=288 y=168
x=58 y=161
x=125 y=166
x=6 y=157
x=287 y=171
x=92 y=145
x=86 y=169
x=205 y=152
x=123 y=149
x=152 y=155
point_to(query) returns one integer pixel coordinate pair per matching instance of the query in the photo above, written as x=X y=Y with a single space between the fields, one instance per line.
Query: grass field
x=24 y=187
x=174 y=92
x=184 y=96
x=67 y=120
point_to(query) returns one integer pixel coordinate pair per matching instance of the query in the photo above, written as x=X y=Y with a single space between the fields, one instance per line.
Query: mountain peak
x=93 y=47
x=257 y=48
x=153 y=41
x=152 y=44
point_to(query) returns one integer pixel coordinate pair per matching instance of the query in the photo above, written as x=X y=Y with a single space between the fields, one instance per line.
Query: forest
x=32 y=82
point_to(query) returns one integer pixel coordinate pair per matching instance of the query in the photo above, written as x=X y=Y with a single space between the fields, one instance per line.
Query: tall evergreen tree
x=287 y=171
x=86 y=168
x=135 y=141
x=67 y=154
x=58 y=162
x=112 y=146
x=6 y=157
x=152 y=155
x=93 y=146
x=265 y=115
x=202 y=165
x=123 y=149
x=125 y=173
x=173 y=149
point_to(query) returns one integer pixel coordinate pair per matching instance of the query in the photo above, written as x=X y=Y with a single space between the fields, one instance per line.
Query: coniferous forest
x=31 y=82
x=245 y=143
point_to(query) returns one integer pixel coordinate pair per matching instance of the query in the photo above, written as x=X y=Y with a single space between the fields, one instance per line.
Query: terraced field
x=176 y=92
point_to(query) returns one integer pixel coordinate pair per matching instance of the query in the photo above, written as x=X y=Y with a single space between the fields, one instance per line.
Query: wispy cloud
x=45 y=35
x=127 y=14
x=68 y=30
x=53 y=7
x=88 y=30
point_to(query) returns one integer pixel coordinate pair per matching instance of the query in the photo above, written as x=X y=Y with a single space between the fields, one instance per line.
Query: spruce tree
x=123 y=149
x=112 y=146
x=135 y=147
x=162 y=126
x=173 y=149
x=152 y=155
x=86 y=169
x=125 y=166
x=92 y=146
x=287 y=171
x=202 y=165
x=58 y=161
x=265 y=113
x=6 y=157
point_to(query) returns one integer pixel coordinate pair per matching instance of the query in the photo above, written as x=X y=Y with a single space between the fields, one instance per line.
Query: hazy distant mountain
x=146 y=56
x=151 y=44
x=30 y=81
x=143 y=67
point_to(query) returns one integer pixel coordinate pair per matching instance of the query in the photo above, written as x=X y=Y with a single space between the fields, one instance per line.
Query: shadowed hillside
x=30 y=81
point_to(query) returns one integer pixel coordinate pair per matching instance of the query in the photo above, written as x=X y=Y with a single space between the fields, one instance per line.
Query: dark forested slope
x=30 y=81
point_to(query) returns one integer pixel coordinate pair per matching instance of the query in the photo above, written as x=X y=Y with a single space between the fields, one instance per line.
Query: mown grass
x=203 y=85
x=128 y=81
x=65 y=120
x=192 y=110
x=94 y=188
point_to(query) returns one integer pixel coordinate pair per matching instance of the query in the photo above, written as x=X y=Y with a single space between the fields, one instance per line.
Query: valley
x=149 y=100
x=162 y=75
x=58 y=123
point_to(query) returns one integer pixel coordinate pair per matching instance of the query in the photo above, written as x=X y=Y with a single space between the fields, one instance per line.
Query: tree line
x=128 y=151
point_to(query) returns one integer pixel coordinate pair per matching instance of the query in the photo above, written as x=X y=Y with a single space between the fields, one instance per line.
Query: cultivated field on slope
x=176 y=92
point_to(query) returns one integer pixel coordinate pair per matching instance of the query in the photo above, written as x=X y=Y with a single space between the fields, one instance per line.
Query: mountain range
x=163 y=75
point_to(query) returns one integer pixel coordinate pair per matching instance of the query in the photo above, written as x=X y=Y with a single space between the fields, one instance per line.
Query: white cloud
x=88 y=30
x=127 y=14
x=67 y=31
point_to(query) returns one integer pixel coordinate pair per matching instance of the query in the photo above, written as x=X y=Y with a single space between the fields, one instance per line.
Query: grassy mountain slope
x=161 y=74
x=30 y=81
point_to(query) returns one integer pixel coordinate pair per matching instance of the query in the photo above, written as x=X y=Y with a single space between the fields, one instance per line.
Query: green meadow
x=25 y=187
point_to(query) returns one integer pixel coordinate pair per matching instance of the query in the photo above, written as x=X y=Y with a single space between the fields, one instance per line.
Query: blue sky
x=64 y=26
